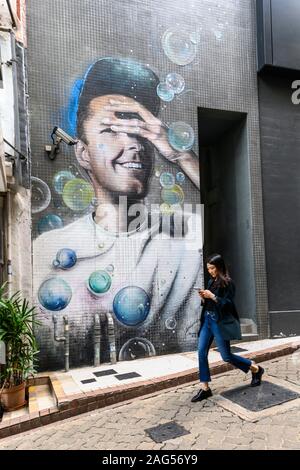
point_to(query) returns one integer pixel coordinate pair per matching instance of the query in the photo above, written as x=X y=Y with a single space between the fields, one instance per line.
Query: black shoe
x=202 y=395
x=256 y=377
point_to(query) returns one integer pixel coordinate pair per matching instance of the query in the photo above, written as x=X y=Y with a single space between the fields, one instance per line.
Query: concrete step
x=40 y=397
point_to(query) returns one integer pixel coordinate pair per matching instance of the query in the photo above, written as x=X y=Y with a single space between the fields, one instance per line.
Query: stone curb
x=72 y=405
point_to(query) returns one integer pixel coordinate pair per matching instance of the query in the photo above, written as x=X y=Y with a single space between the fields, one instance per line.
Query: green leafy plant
x=17 y=321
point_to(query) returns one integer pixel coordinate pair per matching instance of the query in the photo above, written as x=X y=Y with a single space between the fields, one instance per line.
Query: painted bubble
x=60 y=179
x=178 y=46
x=180 y=177
x=170 y=323
x=175 y=82
x=165 y=92
x=166 y=209
x=181 y=136
x=136 y=348
x=55 y=294
x=167 y=180
x=65 y=259
x=49 y=222
x=173 y=196
x=110 y=268
x=131 y=305
x=78 y=194
x=218 y=31
x=40 y=195
x=195 y=37
x=99 y=282
x=157 y=172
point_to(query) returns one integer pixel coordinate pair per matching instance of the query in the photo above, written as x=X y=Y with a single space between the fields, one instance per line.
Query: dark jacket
x=228 y=318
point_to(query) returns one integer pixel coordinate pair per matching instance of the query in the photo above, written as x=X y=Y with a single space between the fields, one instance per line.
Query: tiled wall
x=214 y=41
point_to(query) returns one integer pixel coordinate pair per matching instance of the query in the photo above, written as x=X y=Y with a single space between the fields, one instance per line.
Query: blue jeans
x=210 y=330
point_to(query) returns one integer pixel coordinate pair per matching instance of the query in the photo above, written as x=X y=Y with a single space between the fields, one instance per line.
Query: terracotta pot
x=13 y=398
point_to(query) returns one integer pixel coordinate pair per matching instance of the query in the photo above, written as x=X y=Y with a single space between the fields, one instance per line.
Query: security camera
x=62 y=135
x=57 y=136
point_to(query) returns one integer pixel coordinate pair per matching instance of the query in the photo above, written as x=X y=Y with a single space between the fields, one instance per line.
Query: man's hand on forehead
x=142 y=124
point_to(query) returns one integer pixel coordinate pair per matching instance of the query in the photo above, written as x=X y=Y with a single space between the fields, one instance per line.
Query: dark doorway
x=225 y=193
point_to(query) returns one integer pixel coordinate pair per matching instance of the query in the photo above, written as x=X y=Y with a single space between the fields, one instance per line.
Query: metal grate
x=167 y=431
x=259 y=398
x=130 y=375
x=88 y=381
x=103 y=373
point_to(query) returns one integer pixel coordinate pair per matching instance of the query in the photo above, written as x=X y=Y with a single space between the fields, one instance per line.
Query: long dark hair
x=223 y=277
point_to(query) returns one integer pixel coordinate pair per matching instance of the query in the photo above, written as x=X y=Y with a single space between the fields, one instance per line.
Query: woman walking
x=220 y=321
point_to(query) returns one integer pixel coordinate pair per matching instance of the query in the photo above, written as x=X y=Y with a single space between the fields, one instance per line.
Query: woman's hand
x=200 y=292
x=207 y=294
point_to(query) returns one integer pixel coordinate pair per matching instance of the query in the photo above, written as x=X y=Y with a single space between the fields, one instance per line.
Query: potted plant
x=17 y=320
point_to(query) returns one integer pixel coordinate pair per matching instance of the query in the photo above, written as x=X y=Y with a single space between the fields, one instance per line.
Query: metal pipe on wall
x=2 y=239
x=9 y=242
x=97 y=340
x=13 y=21
x=111 y=337
x=63 y=339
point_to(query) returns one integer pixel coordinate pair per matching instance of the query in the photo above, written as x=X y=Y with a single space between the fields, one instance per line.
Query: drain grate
x=167 y=431
x=88 y=381
x=103 y=373
x=259 y=398
x=129 y=375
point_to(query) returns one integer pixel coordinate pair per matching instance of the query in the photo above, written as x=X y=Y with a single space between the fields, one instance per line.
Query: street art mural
x=117 y=228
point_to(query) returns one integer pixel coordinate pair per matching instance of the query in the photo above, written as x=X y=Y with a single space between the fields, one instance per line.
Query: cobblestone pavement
x=210 y=426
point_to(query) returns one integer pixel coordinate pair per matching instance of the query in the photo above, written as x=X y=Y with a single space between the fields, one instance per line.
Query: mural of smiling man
x=120 y=257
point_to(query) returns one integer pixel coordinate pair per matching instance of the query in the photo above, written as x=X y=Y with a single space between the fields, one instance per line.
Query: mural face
x=122 y=256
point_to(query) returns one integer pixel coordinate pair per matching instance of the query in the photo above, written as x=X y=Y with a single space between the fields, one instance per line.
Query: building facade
x=15 y=215
x=159 y=105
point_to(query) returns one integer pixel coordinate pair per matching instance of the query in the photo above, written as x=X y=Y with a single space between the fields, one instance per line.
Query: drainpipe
x=97 y=340
x=9 y=243
x=13 y=21
x=63 y=339
x=111 y=337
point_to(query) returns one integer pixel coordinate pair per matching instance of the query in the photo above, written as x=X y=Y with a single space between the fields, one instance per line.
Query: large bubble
x=165 y=92
x=136 y=348
x=131 y=305
x=181 y=136
x=175 y=82
x=55 y=294
x=178 y=46
x=173 y=196
x=60 y=179
x=40 y=195
x=49 y=222
x=167 y=180
x=65 y=259
x=78 y=194
x=99 y=282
